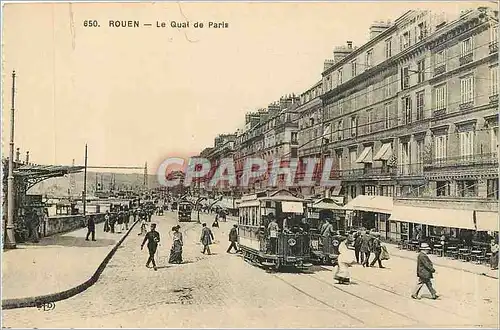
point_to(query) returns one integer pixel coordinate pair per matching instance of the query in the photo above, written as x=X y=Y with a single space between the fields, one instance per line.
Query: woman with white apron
x=345 y=260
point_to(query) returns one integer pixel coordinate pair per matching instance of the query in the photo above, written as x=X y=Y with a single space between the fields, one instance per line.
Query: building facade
x=270 y=134
x=415 y=111
x=410 y=116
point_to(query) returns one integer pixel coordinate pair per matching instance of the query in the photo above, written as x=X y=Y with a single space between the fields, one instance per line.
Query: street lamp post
x=198 y=201
x=85 y=185
x=10 y=238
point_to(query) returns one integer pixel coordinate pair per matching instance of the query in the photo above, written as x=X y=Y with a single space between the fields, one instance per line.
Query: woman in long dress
x=345 y=260
x=176 y=251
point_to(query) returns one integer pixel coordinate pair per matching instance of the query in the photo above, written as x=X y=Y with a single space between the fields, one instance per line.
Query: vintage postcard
x=250 y=165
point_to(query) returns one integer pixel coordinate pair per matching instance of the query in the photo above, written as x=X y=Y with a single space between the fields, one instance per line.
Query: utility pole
x=10 y=238
x=85 y=185
x=146 y=175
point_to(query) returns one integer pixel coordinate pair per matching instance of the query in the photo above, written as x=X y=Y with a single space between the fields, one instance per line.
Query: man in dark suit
x=153 y=238
x=233 y=238
x=425 y=270
x=90 y=228
x=357 y=247
x=366 y=244
x=377 y=250
x=206 y=238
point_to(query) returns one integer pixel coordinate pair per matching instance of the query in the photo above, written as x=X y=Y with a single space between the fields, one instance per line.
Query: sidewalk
x=57 y=263
x=444 y=262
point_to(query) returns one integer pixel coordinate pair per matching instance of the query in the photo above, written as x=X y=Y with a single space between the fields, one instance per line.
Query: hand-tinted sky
x=137 y=95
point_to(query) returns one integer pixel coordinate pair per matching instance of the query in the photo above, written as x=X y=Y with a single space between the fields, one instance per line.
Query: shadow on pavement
x=74 y=242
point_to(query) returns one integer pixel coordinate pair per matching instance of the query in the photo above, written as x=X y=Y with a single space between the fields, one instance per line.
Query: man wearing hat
x=377 y=250
x=153 y=238
x=365 y=248
x=206 y=238
x=425 y=269
x=233 y=238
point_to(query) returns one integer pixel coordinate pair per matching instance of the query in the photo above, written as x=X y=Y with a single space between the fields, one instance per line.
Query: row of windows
x=467 y=188
x=440 y=57
x=404 y=149
x=407 y=114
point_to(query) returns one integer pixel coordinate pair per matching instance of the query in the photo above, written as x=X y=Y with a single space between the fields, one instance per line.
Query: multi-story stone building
x=413 y=113
x=223 y=149
x=310 y=128
x=411 y=120
x=270 y=134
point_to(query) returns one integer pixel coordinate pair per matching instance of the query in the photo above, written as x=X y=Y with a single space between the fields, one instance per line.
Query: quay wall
x=66 y=223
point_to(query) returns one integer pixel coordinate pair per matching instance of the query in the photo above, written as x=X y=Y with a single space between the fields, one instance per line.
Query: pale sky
x=145 y=94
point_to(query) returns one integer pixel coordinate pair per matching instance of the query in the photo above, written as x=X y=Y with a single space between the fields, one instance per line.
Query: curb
x=38 y=301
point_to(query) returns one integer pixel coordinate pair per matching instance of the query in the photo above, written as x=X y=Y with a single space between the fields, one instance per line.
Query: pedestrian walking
x=90 y=228
x=377 y=250
x=344 y=261
x=233 y=238
x=365 y=248
x=425 y=271
x=112 y=222
x=119 y=221
x=34 y=226
x=494 y=254
x=206 y=238
x=176 y=251
x=357 y=247
x=152 y=238
x=150 y=214
x=127 y=219
x=216 y=223
x=106 y=222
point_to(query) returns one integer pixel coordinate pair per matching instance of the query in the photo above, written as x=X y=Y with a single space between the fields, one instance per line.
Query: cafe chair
x=451 y=252
x=464 y=254
x=438 y=250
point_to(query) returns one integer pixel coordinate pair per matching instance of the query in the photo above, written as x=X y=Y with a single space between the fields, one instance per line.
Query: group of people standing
x=366 y=243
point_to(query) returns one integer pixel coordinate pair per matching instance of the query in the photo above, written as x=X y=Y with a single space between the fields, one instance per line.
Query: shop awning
x=327 y=206
x=366 y=156
x=336 y=190
x=249 y=203
x=487 y=221
x=433 y=216
x=381 y=204
x=292 y=207
x=384 y=153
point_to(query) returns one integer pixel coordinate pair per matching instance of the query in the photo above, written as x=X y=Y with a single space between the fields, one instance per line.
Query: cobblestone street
x=224 y=291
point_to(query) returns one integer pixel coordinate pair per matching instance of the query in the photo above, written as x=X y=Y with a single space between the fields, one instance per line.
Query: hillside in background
x=122 y=181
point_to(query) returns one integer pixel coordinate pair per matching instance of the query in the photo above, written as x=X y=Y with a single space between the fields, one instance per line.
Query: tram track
x=318 y=300
x=404 y=296
x=366 y=300
x=420 y=302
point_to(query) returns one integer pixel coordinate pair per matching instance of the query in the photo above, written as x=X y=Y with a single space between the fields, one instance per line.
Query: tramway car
x=324 y=249
x=272 y=232
x=184 y=210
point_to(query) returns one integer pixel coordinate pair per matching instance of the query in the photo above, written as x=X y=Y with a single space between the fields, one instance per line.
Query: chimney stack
x=349 y=44
x=378 y=27
x=327 y=64
x=340 y=52
x=18 y=154
x=27 y=157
